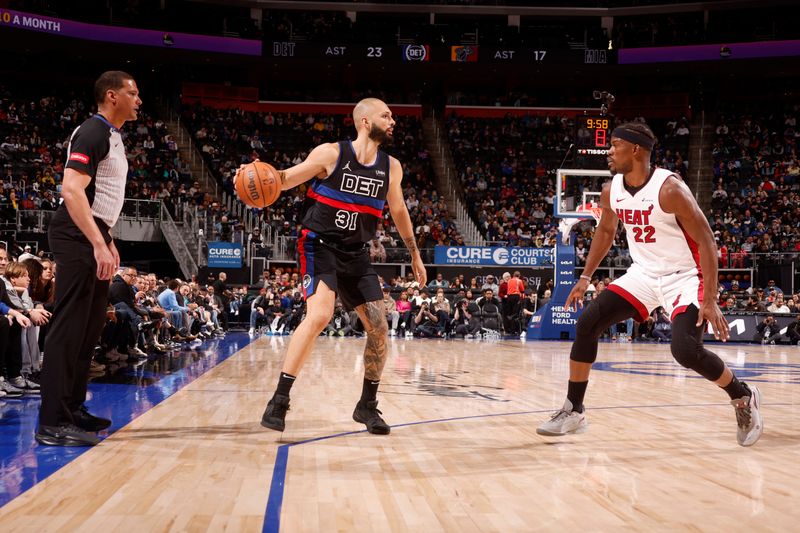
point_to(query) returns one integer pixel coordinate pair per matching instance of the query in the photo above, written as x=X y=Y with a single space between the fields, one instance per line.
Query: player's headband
x=634 y=136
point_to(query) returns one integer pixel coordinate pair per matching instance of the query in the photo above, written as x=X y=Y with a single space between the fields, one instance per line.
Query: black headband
x=634 y=136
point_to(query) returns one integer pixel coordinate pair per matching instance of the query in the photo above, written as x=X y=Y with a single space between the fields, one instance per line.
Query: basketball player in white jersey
x=673 y=252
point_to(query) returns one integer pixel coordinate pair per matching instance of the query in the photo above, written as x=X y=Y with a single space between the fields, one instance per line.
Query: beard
x=378 y=135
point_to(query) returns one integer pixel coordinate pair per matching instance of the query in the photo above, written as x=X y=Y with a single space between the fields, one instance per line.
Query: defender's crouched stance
x=673 y=252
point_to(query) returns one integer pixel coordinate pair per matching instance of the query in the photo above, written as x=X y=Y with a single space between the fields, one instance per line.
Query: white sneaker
x=392 y=333
x=137 y=352
x=564 y=422
x=748 y=418
x=409 y=335
x=251 y=332
x=114 y=355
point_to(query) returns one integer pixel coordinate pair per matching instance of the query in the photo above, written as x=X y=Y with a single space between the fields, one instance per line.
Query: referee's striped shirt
x=96 y=149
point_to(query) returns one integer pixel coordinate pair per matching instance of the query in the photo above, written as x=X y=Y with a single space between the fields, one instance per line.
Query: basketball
x=258 y=184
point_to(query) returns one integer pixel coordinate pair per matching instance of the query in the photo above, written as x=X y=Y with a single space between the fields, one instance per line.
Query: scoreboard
x=413 y=53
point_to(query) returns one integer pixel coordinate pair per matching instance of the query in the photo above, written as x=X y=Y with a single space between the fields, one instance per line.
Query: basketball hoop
x=593 y=209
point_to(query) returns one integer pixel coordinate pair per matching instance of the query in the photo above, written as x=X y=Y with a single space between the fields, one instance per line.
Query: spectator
x=16 y=281
x=438 y=282
x=404 y=309
x=778 y=306
x=377 y=253
x=490 y=284
x=392 y=314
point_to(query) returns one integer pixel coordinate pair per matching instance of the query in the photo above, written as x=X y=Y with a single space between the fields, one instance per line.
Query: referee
x=93 y=191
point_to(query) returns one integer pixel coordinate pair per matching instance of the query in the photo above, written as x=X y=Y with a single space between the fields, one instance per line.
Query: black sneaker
x=274 y=416
x=88 y=422
x=368 y=413
x=65 y=435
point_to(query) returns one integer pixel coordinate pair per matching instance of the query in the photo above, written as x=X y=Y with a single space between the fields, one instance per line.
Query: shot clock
x=593 y=133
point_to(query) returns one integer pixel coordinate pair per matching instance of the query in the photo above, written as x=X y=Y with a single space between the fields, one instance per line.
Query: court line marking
x=272 y=515
x=121 y=402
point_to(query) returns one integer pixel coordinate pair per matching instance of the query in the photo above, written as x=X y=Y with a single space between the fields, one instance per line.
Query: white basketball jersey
x=656 y=240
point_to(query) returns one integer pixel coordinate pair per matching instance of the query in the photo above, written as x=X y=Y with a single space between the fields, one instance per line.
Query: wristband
x=587 y=278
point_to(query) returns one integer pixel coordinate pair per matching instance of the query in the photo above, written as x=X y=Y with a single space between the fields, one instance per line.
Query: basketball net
x=566 y=224
x=593 y=209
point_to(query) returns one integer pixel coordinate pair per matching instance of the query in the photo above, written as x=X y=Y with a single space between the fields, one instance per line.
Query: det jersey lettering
x=361 y=185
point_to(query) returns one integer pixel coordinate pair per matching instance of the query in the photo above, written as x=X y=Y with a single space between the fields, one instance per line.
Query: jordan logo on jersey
x=347 y=166
x=361 y=185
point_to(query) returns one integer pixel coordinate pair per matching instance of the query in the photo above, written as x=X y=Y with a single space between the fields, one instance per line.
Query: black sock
x=285 y=383
x=369 y=390
x=576 y=390
x=737 y=389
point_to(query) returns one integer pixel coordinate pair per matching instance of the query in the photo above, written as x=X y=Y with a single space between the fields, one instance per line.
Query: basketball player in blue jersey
x=674 y=266
x=350 y=183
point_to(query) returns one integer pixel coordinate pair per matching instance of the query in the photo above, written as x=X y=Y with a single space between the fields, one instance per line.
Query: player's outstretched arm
x=675 y=197
x=601 y=243
x=319 y=163
x=399 y=212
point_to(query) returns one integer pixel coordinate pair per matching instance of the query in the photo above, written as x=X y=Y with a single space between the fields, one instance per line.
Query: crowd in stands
x=507 y=168
x=231 y=137
x=146 y=316
x=754 y=204
x=34 y=135
x=442 y=309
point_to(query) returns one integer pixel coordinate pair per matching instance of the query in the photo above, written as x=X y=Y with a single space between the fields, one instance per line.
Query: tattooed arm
x=373 y=317
x=399 y=211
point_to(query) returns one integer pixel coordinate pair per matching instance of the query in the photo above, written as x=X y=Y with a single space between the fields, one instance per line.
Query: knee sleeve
x=601 y=313
x=687 y=346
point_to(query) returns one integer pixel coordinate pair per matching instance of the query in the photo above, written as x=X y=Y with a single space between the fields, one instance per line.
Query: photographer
x=340 y=322
x=427 y=323
x=662 y=330
x=793 y=331
x=767 y=332
x=529 y=307
x=465 y=320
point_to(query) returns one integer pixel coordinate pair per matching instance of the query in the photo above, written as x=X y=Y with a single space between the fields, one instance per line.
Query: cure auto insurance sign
x=224 y=255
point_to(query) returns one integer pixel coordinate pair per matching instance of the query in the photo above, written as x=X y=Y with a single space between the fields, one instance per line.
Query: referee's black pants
x=78 y=320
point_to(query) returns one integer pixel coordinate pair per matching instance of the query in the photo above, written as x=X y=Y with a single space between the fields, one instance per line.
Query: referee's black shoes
x=88 y=422
x=65 y=435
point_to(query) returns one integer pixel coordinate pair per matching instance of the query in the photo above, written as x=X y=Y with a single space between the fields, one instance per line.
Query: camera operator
x=767 y=331
x=427 y=323
x=793 y=331
x=340 y=322
x=465 y=319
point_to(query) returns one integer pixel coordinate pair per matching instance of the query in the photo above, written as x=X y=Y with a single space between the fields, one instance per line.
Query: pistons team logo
x=306 y=281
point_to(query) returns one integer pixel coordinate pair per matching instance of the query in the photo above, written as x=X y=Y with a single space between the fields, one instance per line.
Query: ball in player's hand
x=257 y=184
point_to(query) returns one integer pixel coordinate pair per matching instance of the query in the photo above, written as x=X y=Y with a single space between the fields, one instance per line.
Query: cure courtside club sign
x=496 y=256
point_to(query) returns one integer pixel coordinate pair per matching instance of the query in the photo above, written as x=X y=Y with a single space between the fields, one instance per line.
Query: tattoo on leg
x=375 y=350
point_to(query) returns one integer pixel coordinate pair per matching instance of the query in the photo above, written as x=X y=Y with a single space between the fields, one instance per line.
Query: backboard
x=577 y=187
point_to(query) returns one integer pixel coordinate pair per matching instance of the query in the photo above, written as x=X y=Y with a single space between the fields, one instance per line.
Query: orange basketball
x=258 y=184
